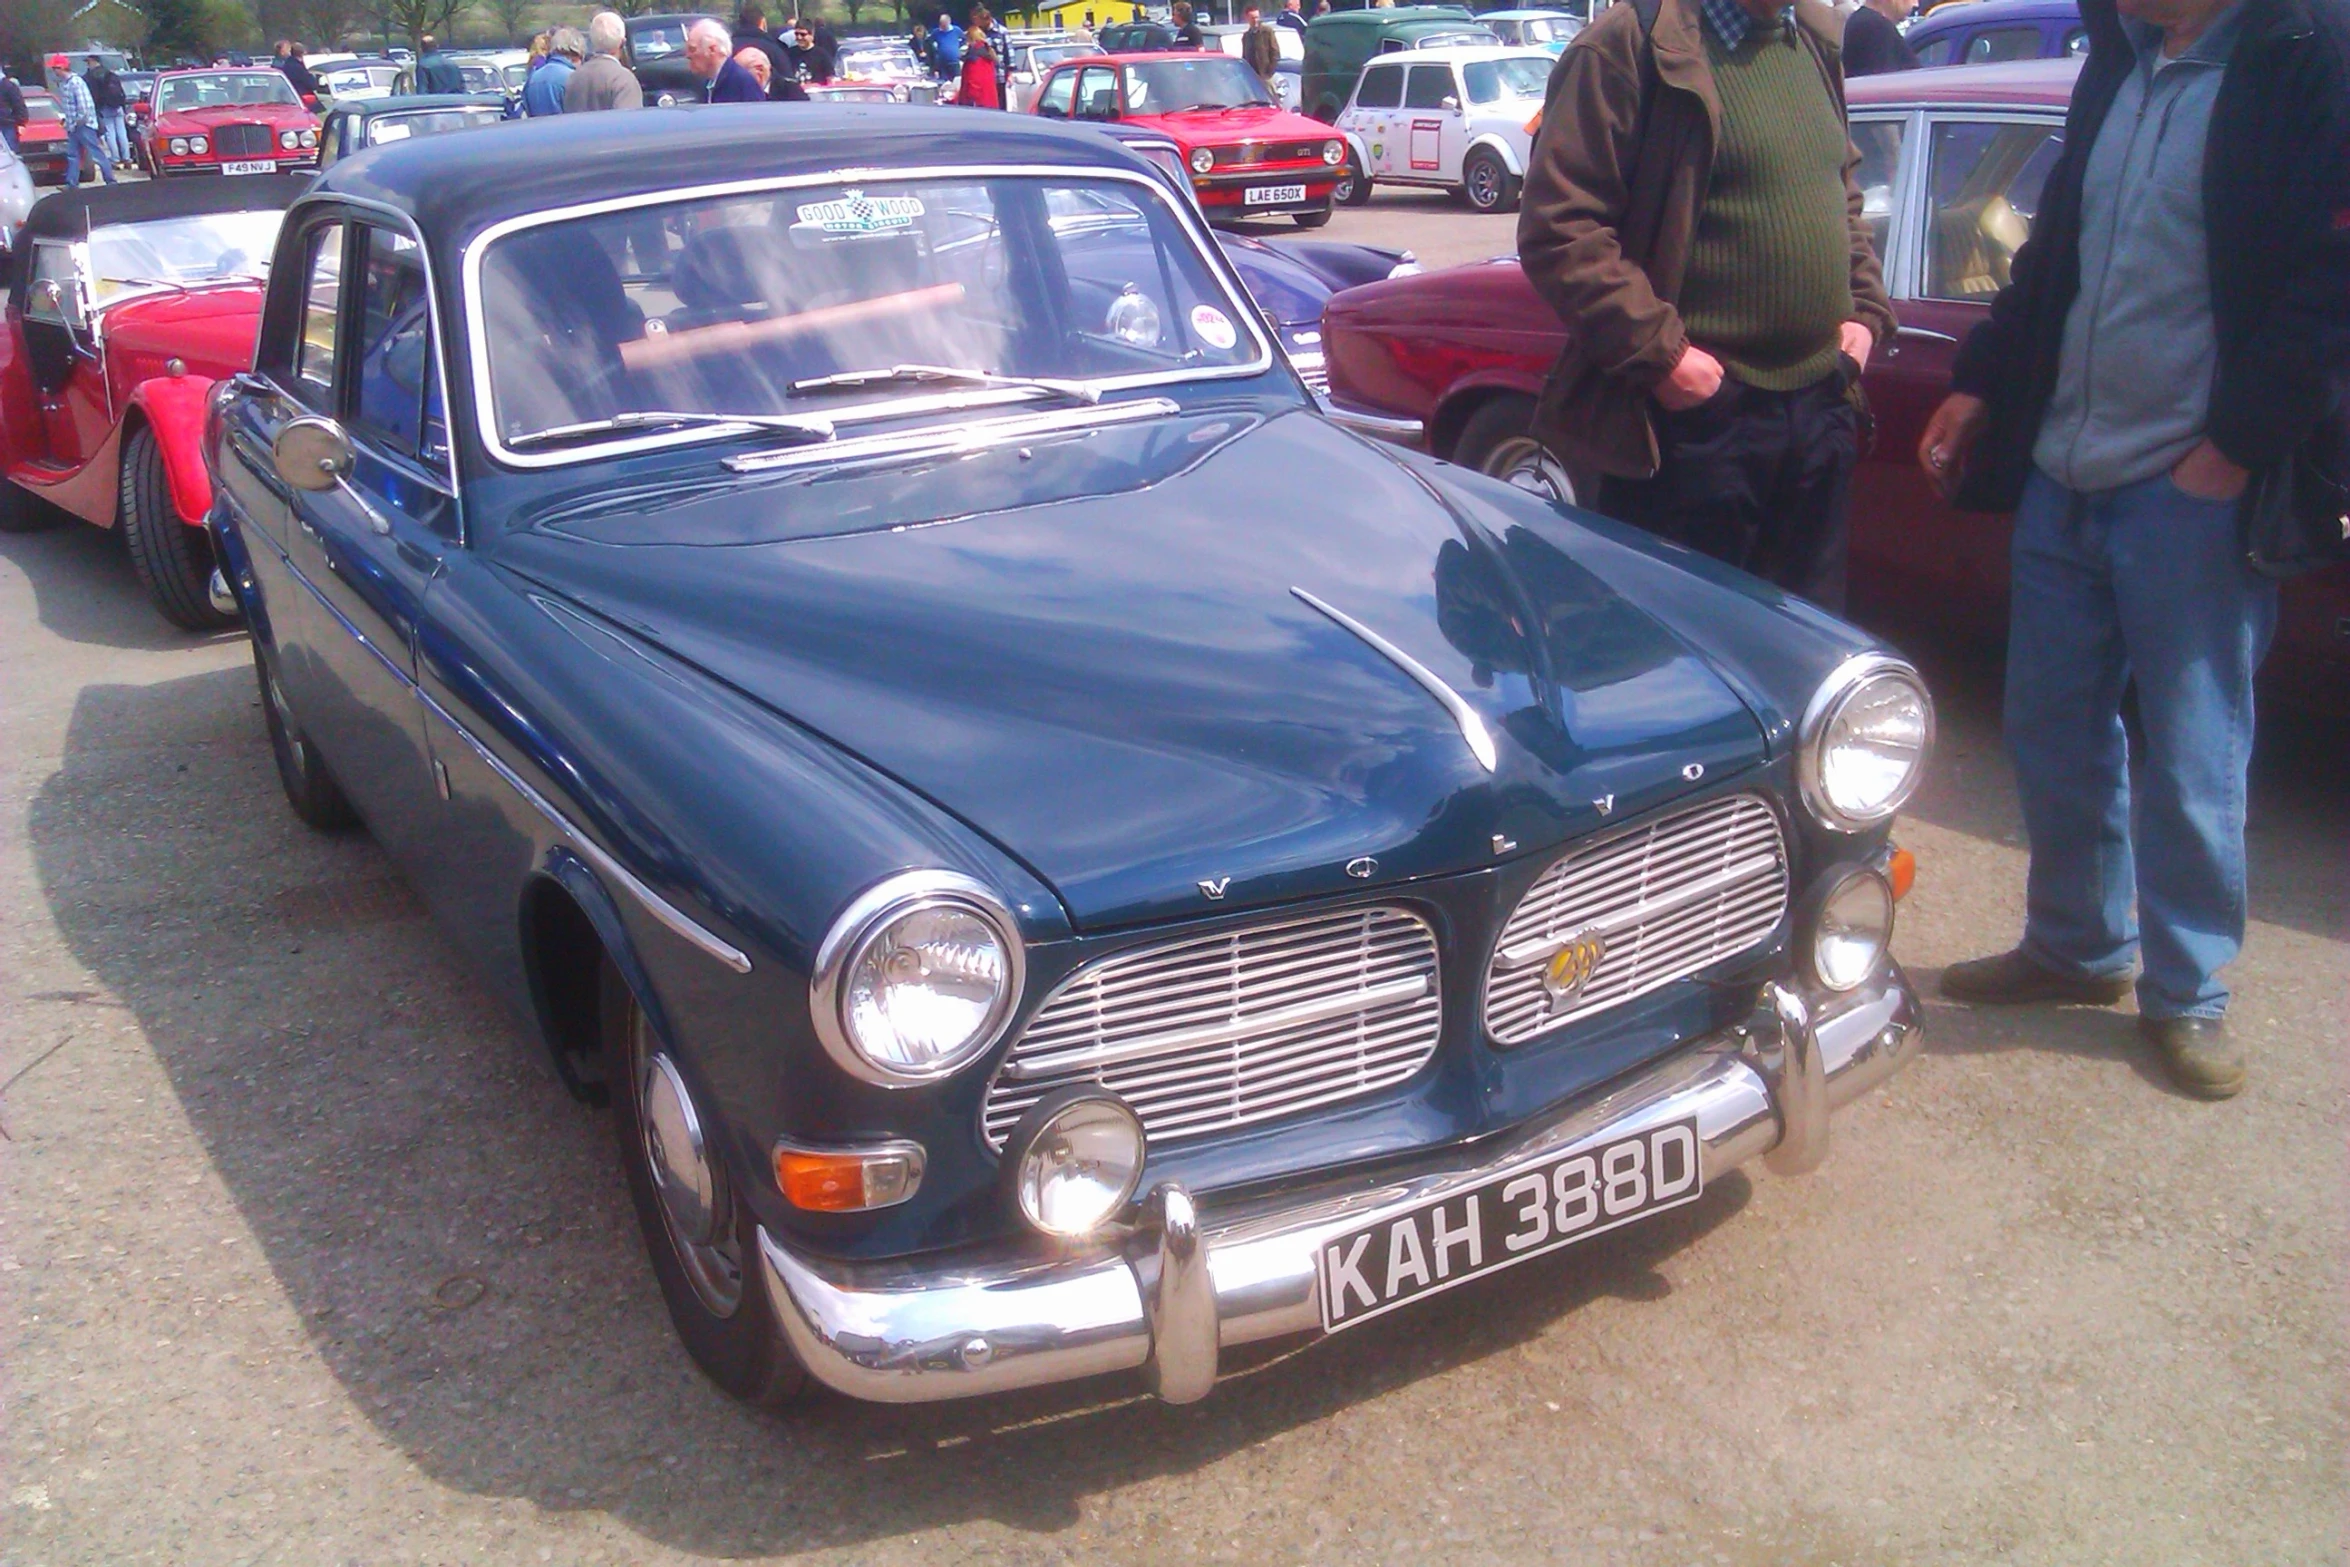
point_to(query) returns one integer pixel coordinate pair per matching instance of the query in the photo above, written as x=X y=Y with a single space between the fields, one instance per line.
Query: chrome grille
x=1213 y=1032
x=1662 y=901
x=1248 y=152
x=243 y=141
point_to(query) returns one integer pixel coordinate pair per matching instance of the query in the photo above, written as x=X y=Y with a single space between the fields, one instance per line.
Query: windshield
x=516 y=75
x=1168 y=86
x=428 y=122
x=224 y=89
x=656 y=40
x=39 y=106
x=733 y=305
x=1482 y=36
x=215 y=245
x=1546 y=29
x=1044 y=57
x=1489 y=81
x=879 y=60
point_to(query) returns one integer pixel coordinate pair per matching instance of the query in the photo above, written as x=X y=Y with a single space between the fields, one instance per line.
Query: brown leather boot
x=2014 y=978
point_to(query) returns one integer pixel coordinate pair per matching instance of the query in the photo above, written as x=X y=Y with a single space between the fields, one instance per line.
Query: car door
x=371 y=544
x=60 y=337
x=1378 y=103
x=1097 y=93
x=1432 y=140
x=1969 y=189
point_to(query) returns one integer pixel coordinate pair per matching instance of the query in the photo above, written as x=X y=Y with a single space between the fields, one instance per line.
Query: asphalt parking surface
x=304 y=1258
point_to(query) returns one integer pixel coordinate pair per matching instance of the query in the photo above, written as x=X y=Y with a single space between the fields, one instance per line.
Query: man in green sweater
x=1690 y=212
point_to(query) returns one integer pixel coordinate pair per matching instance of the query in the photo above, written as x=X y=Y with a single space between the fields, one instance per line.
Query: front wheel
x=1499 y=440
x=1355 y=189
x=1311 y=220
x=1486 y=182
x=173 y=560
x=701 y=1238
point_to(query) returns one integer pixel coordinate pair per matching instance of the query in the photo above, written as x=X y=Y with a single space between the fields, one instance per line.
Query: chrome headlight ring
x=1857 y=674
x=871 y=915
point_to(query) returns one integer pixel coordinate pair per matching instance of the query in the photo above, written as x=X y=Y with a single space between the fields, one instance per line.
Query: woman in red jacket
x=980 y=87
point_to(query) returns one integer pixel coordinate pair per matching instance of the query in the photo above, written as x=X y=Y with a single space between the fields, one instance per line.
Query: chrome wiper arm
x=1081 y=391
x=643 y=418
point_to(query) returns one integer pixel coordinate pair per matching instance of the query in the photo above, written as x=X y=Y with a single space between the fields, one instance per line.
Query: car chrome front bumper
x=1166 y=1297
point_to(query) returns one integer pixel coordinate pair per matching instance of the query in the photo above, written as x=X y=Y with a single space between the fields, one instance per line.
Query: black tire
x=1487 y=185
x=21 y=512
x=173 y=560
x=1498 y=440
x=310 y=789
x=1311 y=220
x=733 y=1336
x=1355 y=189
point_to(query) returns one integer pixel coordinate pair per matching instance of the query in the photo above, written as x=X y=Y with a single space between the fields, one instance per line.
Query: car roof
x=1985 y=13
x=416 y=103
x=71 y=214
x=1525 y=15
x=1461 y=54
x=456 y=186
x=2012 y=84
x=1396 y=16
x=221 y=70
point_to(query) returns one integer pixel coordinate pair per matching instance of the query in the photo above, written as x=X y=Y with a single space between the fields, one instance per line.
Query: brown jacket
x=1610 y=208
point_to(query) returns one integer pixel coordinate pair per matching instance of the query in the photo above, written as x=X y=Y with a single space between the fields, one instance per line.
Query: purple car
x=1984 y=32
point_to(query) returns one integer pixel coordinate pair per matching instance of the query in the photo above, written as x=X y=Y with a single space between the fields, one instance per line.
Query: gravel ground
x=304 y=1258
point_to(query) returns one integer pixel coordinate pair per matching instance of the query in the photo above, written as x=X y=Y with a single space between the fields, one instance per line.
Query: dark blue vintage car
x=1062 y=859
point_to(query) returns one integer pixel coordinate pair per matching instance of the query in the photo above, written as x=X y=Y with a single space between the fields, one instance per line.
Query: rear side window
x=1382 y=88
x=1935 y=51
x=1429 y=86
x=2006 y=43
x=322 y=304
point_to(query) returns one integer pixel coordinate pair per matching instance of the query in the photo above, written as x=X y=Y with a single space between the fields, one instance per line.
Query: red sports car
x=229 y=122
x=1952 y=165
x=125 y=304
x=42 y=140
x=1249 y=157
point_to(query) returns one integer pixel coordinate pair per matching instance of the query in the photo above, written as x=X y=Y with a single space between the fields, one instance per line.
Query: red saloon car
x=125 y=304
x=1249 y=157
x=1952 y=165
x=228 y=122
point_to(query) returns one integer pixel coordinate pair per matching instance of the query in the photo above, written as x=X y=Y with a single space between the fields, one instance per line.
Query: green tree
x=513 y=18
x=180 y=27
x=412 y=19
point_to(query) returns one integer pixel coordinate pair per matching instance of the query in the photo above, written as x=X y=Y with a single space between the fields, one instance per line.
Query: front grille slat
x=243 y=141
x=1208 y=1033
x=1668 y=900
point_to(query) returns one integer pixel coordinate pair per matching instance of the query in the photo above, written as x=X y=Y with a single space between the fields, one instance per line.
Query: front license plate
x=1266 y=195
x=1521 y=1213
x=250 y=166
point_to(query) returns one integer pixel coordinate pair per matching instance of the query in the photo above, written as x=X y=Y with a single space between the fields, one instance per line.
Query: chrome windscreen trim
x=659 y=907
x=949 y=440
x=1472 y=726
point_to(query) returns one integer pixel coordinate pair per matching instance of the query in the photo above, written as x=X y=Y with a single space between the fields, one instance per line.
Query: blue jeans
x=77 y=138
x=2143 y=583
x=115 y=133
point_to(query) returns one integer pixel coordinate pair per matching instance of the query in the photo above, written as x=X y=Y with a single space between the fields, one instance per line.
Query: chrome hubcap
x=1524 y=463
x=1482 y=185
x=695 y=1209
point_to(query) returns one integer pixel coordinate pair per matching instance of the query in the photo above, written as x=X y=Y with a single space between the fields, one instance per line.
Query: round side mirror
x=312 y=453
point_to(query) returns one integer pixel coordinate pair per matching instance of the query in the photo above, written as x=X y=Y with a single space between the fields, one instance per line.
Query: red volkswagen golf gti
x=1249 y=157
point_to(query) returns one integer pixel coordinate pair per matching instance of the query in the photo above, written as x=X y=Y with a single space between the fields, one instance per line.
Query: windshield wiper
x=1082 y=391
x=650 y=418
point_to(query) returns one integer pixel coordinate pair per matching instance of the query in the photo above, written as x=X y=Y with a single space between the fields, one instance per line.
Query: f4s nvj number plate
x=1524 y=1212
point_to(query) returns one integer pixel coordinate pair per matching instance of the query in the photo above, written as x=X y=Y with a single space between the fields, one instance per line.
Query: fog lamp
x=1074 y=1160
x=848 y=1180
x=1854 y=927
x=1202 y=160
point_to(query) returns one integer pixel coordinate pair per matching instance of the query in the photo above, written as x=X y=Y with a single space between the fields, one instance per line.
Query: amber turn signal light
x=1902 y=871
x=1534 y=124
x=848 y=1180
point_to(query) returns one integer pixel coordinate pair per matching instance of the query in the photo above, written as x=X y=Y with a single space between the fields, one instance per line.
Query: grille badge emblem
x=1570 y=969
x=1605 y=804
x=1363 y=869
x=1694 y=771
x=1215 y=889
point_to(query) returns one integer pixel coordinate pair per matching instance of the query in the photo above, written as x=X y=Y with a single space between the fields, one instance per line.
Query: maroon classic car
x=1952 y=165
x=125 y=304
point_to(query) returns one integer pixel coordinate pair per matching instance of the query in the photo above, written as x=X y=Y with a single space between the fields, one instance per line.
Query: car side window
x=1059 y=97
x=2005 y=43
x=1879 y=142
x=1097 y=94
x=61 y=304
x=1986 y=177
x=1428 y=87
x=2076 y=42
x=322 y=304
x=398 y=398
x=1934 y=51
x=1382 y=88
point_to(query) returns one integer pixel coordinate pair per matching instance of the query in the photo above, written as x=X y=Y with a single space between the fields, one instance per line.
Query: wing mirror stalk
x=313 y=453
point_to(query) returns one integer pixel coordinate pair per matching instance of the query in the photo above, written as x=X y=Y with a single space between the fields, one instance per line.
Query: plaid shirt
x=1731 y=21
x=74 y=103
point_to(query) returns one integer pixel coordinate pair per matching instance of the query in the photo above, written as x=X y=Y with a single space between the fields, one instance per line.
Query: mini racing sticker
x=857 y=213
x=1213 y=327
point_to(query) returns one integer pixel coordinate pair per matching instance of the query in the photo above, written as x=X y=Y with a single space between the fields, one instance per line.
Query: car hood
x=1089 y=649
x=1214 y=127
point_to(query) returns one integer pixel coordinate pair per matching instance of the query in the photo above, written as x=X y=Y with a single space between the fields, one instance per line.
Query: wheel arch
x=1500 y=147
x=570 y=925
x=1460 y=403
x=173 y=408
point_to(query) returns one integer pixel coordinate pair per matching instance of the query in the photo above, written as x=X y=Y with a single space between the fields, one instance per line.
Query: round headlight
x=199 y=144
x=289 y=139
x=1865 y=742
x=916 y=978
x=179 y=146
x=1333 y=153
x=310 y=138
x=1202 y=160
x=1133 y=319
x=1854 y=928
x=1074 y=1160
